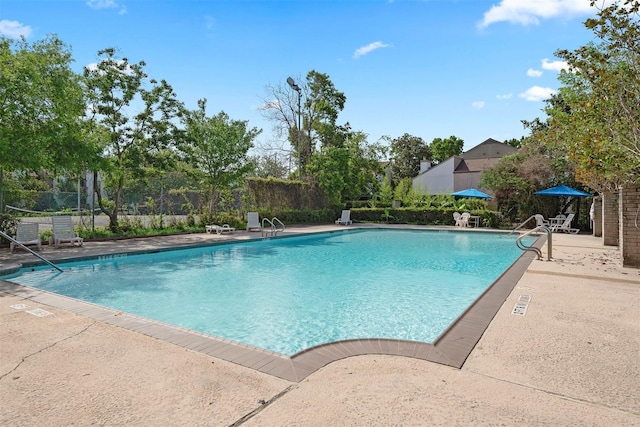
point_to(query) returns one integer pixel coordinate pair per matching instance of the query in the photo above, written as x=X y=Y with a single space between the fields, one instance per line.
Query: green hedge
x=301 y=216
x=423 y=216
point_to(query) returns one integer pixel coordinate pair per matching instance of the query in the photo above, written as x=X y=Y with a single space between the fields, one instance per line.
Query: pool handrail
x=6 y=236
x=538 y=252
x=273 y=229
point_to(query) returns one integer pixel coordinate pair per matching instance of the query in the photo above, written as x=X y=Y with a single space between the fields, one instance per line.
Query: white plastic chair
x=345 y=218
x=464 y=219
x=541 y=221
x=456 y=218
x=27 y=233
x=253 y=221
x=63 y=231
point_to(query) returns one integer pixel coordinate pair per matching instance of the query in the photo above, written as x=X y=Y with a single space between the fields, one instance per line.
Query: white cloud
x=101 y=4
x=533 y=73
x=529 y=12
x=505 y=96
x=106 y=4
x=537 y=93
x=554 y=65
x=369 y=48
x=478 y=104
x=14 y=29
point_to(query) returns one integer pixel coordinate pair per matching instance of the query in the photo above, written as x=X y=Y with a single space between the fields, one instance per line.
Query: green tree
x=41 y=108
x=385 y=196
x=597 y=123
x=405 y=193
x=218 y=149
x=133 y=126
x=320 y=105
x=442 y=149
x=349 y=169
x=406 y=153
x=516 y=177
x=516 y=143
x=270 y=165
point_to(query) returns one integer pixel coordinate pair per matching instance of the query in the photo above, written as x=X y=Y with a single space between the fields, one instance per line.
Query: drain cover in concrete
x=19 y=306
x=524 y=299
x=519 y=309
x=39 y=312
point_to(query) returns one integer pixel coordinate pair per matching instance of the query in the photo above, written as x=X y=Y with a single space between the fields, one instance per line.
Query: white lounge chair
x=253 y=221
x=27 y=233
x=219 y=229
x=63 y=231
x=345 y=218
x=566 y=226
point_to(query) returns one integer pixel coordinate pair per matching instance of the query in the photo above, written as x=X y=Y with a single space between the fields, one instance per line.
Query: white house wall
x=437 y=180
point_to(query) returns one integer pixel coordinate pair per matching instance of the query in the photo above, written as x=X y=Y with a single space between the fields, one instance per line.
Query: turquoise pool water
x=288 y=294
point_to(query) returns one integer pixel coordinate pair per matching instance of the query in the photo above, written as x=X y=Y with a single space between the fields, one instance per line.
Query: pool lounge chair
x=27 y=233
x=566 y=226
x=224 y=228
x=63 y=231
x=253 y=221
x=345 y=218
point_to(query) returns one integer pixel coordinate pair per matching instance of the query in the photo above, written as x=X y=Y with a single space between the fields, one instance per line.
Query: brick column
x=610 y=216
x=597 y=217
x=629 y=234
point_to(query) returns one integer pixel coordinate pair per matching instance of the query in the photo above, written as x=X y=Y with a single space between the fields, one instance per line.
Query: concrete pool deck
x=572 y=359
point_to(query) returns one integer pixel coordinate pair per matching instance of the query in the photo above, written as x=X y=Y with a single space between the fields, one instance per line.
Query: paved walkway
x=572 y=359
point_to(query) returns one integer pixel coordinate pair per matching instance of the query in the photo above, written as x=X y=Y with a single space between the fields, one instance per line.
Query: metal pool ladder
x=275 y=226
x=6 y=236
x=540 y=228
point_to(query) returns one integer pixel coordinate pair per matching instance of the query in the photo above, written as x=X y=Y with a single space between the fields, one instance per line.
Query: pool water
x=288 y=294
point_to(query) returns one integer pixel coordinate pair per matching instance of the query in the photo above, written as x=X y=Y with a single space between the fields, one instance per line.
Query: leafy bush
x=8 y=224
x=422 y=216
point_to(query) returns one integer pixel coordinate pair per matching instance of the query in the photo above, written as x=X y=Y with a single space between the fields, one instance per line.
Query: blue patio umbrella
x=473 y=193
x=562 y=190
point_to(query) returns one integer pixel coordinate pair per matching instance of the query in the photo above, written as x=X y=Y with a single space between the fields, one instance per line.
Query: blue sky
x=430 y=68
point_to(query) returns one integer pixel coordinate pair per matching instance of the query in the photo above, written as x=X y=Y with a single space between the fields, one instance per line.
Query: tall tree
x=218 y=149
x=270 y=165
x=320 y=104
x=406 y=153
x=323 y=105
x=133 y=125
x=349 y=169
x=41 y=107
x=515 y=179
x=442 y=149
x=597 y=124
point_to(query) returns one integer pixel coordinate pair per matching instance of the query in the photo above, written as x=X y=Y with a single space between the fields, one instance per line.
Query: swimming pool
x=288 y=294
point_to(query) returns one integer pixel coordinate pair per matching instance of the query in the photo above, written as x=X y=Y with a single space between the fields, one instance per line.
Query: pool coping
x=451 y=348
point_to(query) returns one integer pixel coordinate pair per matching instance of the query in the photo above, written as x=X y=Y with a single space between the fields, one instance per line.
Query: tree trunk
x=113 y=215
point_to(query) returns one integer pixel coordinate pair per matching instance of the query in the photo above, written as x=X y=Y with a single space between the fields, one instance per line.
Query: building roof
x=476 y=165
x=490 y=148
x=479 y=158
